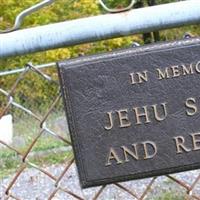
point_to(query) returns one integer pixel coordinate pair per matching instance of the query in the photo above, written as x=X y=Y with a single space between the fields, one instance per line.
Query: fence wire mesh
x=41 y=141
x=39 y=164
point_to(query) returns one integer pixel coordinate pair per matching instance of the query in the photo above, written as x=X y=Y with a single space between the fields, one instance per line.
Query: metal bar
x=21 y=69
x=99 y=27
x=24 y=13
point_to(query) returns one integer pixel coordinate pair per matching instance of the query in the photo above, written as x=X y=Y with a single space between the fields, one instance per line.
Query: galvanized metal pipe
x=99 y=27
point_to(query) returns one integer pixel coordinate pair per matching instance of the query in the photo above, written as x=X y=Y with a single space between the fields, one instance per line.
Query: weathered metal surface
x=99 y=27
x=134 y=113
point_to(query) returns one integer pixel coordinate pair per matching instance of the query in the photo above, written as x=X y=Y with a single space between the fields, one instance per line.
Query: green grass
x=167 y=190
x=10 y=162
x=48 y=143
x=6 y=154
x=52 y=159
x=9 y=167
x=170 y=195
x=26 y=130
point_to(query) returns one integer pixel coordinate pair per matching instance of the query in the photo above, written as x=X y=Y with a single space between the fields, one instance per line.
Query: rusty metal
x=132 y=193
x=99 y=192
x=147 y=188
x=44 y=129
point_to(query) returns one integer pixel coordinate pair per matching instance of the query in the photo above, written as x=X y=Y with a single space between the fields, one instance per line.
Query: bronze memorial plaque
x=134 y=113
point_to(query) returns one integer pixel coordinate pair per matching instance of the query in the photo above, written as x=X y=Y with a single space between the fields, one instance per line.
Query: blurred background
x=36 y=93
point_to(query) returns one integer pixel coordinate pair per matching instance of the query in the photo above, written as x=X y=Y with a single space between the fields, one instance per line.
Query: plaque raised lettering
x=134 y=113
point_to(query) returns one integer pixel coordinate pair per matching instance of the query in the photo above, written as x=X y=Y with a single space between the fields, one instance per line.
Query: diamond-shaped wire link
x=56 y=179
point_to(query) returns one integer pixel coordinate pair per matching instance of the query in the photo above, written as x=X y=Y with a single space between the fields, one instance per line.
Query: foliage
x=60 y=10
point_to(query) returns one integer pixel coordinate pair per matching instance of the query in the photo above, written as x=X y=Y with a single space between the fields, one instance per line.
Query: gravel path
x=33 y=185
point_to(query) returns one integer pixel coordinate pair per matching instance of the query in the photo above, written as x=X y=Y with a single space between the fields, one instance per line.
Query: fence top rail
x=100 y=27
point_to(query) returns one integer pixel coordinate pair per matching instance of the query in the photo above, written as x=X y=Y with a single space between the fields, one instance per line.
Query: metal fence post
x=99 y=27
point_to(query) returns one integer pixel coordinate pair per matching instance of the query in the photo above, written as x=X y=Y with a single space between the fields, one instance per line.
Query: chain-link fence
x=41 y=141
x=37 y=161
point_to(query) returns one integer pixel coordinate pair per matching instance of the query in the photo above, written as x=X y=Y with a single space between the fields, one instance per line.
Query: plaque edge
x=70 y=64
